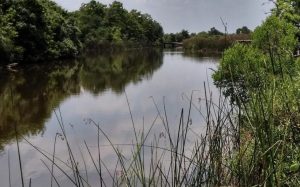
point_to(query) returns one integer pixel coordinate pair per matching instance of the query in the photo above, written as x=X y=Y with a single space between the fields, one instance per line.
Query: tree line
x=212 y=42
x=40 y=30
x=184 y=34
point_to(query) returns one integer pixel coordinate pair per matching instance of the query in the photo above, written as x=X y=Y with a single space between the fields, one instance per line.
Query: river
x=36 y=99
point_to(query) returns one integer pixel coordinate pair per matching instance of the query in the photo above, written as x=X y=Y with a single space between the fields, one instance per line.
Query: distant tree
x=214 y=31
x=177 y=37
x=185 y=34
x=193 y=34
x=202 y=34
x=243 y=30
x=170 y=37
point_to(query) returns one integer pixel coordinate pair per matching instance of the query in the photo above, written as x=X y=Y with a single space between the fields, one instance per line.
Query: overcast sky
x=194 y=15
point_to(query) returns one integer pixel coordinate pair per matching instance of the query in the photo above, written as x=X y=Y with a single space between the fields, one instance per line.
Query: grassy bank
x=262 y=79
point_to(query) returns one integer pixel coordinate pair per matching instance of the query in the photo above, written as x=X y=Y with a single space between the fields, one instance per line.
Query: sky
x=194 y=15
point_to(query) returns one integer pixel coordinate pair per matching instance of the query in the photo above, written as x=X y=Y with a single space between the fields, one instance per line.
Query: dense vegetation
x=40 y=30
x=177 y=37
x=214 y=41
x=262 y=79
x=100 y=24
x=35 y=30
x=211 y=42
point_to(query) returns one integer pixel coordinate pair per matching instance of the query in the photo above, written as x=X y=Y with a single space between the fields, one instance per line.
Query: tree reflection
x=115 y=71
x=28 y=97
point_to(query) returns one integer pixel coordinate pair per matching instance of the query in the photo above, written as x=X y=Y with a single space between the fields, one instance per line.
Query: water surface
x=35 y=98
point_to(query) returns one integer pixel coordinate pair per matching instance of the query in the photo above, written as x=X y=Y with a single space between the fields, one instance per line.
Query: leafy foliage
x=36 y=30
x=243 y=30
x=101 y=24
x=241 y=61
x=216 y=44
x=214 y=31
x=267 y=75
x=40 y=30
x=177 y=37
x=290 y=11
x=271 y=52
x=275 y=34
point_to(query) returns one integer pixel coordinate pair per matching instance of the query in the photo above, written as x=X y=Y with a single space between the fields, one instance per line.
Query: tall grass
x=176 y=162
x=242 y=145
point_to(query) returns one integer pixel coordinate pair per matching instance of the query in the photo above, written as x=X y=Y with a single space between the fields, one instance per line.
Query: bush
x=212 y=43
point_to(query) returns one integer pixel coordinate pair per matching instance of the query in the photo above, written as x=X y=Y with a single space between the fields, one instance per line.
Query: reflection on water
x=28 y=97
x=115 y=71
x=92 y=87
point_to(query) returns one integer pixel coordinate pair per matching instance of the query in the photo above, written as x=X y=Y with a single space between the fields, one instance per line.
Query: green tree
x=243 y=30
x=214 y=31
x=277 y=38
x=90 y=16
x=290 y=11
x=30 y=23
x=177 y=37
x=8 y=50
x=116 y=15
x=39 y=30
x=114 y=24
x=91 y=20
x=134 y=29
x=185 y=34
x=36 y=30
x=241 y=63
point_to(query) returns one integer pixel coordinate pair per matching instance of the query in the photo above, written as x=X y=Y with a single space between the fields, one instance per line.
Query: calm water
x=94 y=88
